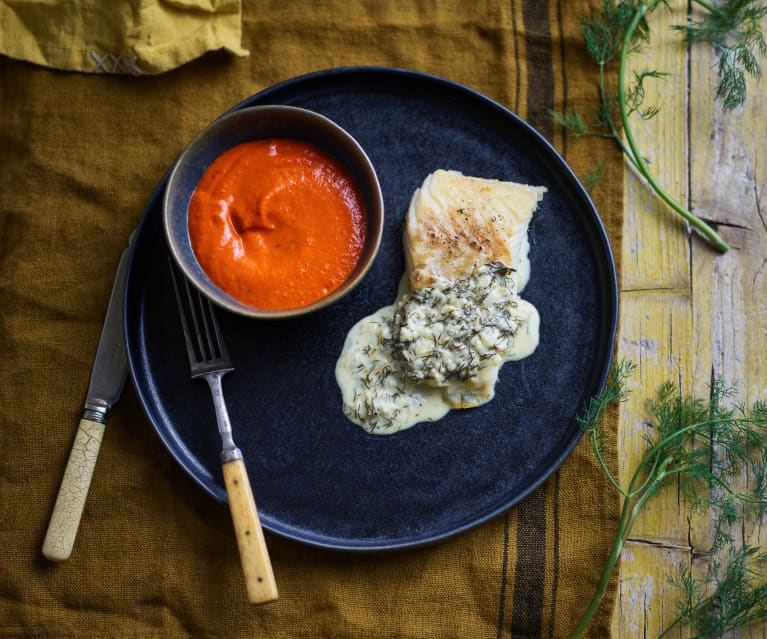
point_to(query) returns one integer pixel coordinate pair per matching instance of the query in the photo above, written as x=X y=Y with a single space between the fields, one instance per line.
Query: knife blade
x=108 y=376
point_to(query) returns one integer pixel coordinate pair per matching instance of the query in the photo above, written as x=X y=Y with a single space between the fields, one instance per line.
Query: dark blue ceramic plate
x=317 y=477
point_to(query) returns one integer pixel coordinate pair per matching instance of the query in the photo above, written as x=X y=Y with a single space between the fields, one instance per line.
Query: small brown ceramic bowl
x=256 y=123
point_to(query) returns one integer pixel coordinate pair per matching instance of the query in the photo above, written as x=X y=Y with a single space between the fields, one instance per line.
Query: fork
x=209 y=359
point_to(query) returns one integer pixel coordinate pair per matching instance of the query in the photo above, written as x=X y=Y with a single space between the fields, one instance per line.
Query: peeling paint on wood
x=689 y=314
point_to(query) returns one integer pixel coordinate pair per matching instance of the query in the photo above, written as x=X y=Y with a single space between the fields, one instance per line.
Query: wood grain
x=689 y=314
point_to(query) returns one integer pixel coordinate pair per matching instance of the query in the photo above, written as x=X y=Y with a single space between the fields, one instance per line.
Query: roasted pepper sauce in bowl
x=277 y=223
x=273 y=212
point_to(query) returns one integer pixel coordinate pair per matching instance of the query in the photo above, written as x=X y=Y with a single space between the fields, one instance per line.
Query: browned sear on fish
x=457 y=223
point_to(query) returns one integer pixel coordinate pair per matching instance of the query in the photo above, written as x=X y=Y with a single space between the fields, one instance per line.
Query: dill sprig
x=734 y=31
x=593 y=178
x=621 y=30
x=699 y=445
x=730 y=596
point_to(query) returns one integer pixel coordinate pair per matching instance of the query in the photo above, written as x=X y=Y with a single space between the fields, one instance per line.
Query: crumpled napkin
x=134 y=37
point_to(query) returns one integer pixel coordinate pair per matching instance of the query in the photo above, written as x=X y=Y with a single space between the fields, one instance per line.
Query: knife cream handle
x=259 y=578
x=70 y=502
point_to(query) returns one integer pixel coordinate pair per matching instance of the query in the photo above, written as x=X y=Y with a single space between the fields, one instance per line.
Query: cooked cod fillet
x=456 y=223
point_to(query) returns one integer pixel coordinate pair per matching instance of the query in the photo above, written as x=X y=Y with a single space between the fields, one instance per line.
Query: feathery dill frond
x=620 y=29
x=734 y=30
x=701 y=447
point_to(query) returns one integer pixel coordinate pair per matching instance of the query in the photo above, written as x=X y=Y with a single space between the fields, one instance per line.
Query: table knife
x=110 y=370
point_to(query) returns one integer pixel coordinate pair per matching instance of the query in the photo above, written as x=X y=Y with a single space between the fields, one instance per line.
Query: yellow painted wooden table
x=688 y=314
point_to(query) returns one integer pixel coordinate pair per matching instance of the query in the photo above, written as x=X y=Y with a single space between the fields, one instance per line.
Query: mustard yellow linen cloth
x=80 y=155
x=120 y=36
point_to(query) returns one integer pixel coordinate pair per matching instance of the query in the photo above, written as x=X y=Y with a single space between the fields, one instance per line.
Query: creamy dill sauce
x=436 y=349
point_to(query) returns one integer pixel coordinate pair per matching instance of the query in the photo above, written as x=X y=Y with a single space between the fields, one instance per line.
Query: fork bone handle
x=259 y=577
x=70 y=502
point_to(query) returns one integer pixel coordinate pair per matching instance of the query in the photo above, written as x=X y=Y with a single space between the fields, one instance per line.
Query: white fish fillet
x=456 y=223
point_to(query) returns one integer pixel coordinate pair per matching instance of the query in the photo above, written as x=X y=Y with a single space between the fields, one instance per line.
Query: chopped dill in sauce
x=436 y=348
x=454 y=329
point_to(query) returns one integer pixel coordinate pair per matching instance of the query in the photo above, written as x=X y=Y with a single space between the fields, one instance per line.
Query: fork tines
x=207 y=351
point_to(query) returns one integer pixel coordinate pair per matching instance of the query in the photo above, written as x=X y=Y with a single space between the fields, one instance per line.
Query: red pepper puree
x=277 y=223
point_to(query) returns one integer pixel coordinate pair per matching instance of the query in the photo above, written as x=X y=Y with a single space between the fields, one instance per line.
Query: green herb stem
x=734 y=31
x=632 y=506
x=603 y=465
x=623 y=529
x=708 y=6
x=682 y=432
x=631 y=509
x=610 y=124
x=636 y=157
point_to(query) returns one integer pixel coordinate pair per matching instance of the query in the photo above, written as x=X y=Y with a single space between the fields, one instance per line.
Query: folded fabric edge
x=217 y=33
x=221 y=33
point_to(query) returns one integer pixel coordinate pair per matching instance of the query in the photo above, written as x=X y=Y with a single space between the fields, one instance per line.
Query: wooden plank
x=689 y=314
x=656 y=322
x=728 y=177
x=655 y=248
x=655 y=335
x=647 y=601
x=655 y=330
